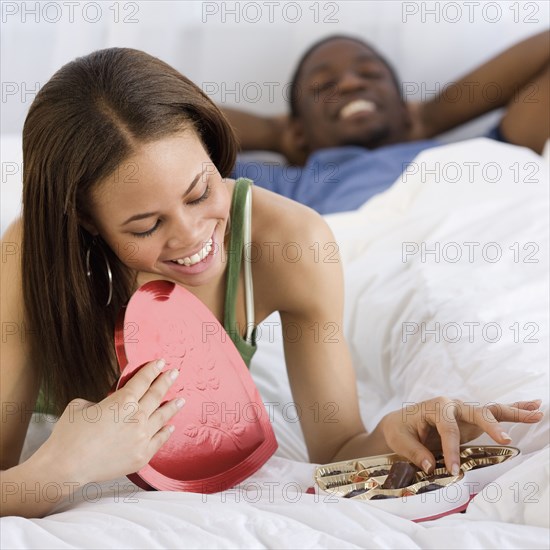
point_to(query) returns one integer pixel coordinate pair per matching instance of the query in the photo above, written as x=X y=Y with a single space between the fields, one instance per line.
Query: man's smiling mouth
x=356 y=106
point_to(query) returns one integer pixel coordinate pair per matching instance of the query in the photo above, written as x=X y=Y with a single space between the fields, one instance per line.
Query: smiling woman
x=180 y=225
x=125 y=175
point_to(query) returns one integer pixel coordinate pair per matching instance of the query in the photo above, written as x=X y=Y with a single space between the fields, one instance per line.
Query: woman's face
x=165 y=211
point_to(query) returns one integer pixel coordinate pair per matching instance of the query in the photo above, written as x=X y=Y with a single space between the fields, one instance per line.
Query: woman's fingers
x=163 y=414
x=142 y=380
x=449 y=417
x=484 y=418
x=148 y=387
x=404 y=441
x=156 y=393
x=523 y=411
x=532 y=405
x=449 y=431
x=159 y=439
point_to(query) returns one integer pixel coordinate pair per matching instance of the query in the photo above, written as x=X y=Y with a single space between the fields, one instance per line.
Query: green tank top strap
x=41 y=407
x=240 y=222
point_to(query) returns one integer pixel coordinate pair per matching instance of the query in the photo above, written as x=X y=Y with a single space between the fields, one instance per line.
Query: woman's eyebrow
x=149 y=214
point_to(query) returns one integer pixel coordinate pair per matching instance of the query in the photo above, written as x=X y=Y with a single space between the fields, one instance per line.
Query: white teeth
x=357 y=106
x=196 y=258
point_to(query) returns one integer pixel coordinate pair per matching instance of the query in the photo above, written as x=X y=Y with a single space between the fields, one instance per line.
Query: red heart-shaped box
x=223 y=433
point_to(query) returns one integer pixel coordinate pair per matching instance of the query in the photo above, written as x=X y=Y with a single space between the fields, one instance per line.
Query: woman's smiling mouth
x=198 y=261
x=197 y=257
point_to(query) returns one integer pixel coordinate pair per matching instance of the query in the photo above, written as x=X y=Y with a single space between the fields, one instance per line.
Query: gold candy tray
x=363 y=478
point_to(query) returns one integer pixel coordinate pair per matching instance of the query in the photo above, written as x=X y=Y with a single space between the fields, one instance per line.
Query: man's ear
x=408 y=113
x=298 y=133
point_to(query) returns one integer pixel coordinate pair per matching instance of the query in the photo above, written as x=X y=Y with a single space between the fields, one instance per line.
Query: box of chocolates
x=392 y=483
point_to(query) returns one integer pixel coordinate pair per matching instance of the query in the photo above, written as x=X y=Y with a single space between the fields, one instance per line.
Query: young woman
x=125 y=165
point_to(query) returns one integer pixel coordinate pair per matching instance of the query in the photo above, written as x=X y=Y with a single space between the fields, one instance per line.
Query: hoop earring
x=109 y=272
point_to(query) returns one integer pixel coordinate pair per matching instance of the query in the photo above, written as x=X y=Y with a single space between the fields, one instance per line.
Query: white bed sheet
x=272 y=509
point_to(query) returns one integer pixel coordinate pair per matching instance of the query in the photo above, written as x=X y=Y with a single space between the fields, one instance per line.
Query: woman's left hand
x=444 y=423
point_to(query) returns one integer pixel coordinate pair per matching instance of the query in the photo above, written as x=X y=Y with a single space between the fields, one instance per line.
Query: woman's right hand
x=94 y=442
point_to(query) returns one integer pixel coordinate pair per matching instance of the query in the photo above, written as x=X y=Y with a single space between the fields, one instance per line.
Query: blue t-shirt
x=335 y=179
x=340 y=178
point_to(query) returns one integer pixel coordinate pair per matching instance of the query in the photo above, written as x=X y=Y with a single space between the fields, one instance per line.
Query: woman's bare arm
x=306 y=286
x=18 y=384
x=21 y=485
x=78 y=451
x=307 y=289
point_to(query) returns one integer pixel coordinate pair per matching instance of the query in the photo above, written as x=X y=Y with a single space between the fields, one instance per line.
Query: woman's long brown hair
x=85 y=121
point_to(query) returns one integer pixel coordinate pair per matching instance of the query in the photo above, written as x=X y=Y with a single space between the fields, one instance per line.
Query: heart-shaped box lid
x=223 y=433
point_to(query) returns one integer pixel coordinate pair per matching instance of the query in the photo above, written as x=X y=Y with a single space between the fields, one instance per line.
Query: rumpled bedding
x=419 y=324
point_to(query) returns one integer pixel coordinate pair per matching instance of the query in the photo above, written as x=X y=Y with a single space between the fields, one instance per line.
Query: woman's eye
x=148 y=232
x=203 y=197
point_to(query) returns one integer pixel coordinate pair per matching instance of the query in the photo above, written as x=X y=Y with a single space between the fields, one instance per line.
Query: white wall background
x=247 y=47
x=431 y=42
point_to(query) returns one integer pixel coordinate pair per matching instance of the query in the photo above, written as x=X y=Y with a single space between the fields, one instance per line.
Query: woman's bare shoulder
x=18 y=381
x=11 y=281
x=14 y=231
x=278 y=216
x=11 y=253
x=295 y=254
x=10 y=274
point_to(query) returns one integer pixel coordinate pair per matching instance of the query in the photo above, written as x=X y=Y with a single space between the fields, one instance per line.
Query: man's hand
x=289 y=143
x=418 y=129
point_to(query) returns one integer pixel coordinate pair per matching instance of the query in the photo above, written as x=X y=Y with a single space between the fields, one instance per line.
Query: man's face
x=347 y=96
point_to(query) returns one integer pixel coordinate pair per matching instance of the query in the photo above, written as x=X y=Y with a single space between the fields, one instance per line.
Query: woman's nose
x=185 y=232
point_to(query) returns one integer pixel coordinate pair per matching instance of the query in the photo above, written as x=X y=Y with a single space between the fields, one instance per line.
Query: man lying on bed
x=350 y=134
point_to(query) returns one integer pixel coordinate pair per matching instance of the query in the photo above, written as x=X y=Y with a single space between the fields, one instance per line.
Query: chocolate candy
x=481 y=454
x=332 y=473
x=428 y=488
x=440 y=476
x=335 y=484
x=401 y=474
x=379 y=473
